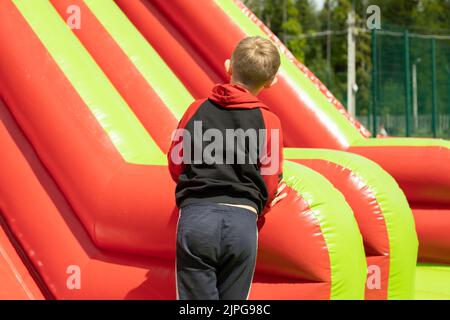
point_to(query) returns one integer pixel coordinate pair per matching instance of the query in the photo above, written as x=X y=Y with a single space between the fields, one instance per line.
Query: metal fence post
x=448 y=101
x=407 y=85
x=374 y=83
x=433 y=88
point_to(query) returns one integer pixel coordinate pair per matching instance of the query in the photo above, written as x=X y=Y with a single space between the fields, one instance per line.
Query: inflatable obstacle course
x=92 y=157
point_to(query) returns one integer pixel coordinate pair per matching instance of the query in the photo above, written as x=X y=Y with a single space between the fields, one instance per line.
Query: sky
x=318 y=3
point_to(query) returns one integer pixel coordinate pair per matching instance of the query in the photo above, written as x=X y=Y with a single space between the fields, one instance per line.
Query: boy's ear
x=272 y=83
x=227 y=65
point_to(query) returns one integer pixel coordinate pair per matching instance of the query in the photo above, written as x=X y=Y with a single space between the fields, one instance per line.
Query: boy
x=226 y=158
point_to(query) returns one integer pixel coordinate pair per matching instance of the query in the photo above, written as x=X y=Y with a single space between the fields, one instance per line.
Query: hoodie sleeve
x=175 y=154
x=271 y=162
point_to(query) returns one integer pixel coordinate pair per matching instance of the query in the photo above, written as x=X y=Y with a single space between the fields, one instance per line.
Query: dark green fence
x=410 y=86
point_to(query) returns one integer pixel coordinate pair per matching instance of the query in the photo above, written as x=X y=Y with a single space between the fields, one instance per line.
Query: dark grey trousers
x=216 y=252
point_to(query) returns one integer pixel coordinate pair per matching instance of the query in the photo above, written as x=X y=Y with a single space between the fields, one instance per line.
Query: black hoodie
x=229 y=151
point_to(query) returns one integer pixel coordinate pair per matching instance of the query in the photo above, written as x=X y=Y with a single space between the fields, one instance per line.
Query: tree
x=283 y=18
x=428 y=16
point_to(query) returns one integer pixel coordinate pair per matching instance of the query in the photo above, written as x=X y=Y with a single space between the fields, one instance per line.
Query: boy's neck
x=254 y=91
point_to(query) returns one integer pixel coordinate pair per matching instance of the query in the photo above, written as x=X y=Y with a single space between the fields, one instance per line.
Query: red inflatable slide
x=86 y=199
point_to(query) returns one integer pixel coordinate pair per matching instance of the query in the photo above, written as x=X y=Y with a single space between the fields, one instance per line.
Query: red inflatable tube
x=16 y=281
x=77 y=152
x=424 y=176
x=54 y=239
x=433 y=231
x=421 y=172
x=178 y=53
x=128 y=81
x=368 y=214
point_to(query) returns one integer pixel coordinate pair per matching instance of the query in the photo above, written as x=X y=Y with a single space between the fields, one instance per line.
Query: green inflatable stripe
x=339 y=228
x=403 y=243
x=403 y=142
x=432 y=282
x=342 y=127
x=120 y=124
x=142 y=55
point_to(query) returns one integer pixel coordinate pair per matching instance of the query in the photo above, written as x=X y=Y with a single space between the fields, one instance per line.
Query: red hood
x=235 y=96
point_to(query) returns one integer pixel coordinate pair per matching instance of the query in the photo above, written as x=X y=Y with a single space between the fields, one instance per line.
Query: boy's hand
x=280 y=194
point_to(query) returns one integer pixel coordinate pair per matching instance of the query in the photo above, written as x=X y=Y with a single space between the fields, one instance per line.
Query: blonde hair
x=255 y=61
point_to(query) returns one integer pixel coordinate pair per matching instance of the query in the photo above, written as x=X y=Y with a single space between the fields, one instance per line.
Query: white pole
x=328 y=4
x=284 y=18
x=415 y=102
x=351 y=64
